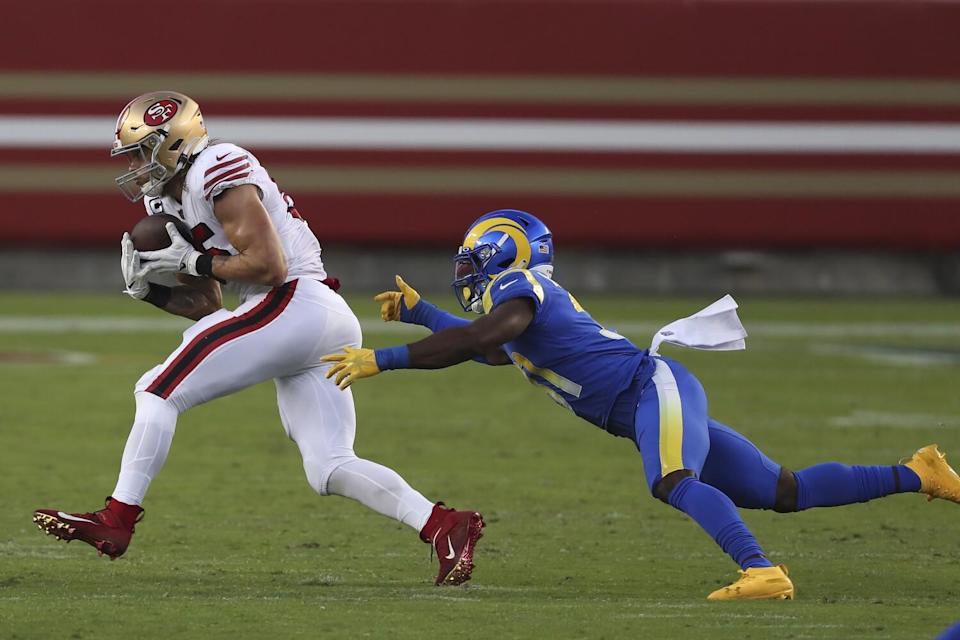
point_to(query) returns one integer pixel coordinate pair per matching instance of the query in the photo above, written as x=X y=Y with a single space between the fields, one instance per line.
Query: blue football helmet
x=497 y=241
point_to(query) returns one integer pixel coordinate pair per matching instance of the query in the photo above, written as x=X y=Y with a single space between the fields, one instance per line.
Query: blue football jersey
x=582 y=366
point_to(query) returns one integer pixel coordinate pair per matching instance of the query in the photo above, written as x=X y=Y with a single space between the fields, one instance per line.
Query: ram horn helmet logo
x=160 y=112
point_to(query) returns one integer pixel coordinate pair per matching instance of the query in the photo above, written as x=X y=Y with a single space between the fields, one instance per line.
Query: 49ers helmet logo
x=160 y=112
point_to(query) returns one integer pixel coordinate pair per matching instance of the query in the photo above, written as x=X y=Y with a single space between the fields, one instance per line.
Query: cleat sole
x=778 y=596
x=463 y=570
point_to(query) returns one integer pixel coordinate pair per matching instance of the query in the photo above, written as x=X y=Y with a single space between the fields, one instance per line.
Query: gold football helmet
x=160 y=132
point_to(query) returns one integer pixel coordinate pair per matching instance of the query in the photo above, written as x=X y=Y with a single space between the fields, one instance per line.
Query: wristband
x=158 y=295
x=393 y=358
x=204 y=265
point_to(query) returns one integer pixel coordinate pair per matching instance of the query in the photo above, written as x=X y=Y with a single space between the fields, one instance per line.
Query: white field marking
x=124 y=324
x=89 y=324
x=514 y=134
x=821 y=329
x=76 y=357
x=860 y=419
x=855 y=329
x=447 y=598
x=47 y=357
x=902 y=356
x=758 y=620
x=751 y=616
x=13 y=549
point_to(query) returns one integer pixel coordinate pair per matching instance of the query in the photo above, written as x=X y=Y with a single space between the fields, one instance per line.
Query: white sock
x=147 y=447
x=381 y=489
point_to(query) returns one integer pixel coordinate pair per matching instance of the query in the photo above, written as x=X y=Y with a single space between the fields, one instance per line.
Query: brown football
x=150 y=234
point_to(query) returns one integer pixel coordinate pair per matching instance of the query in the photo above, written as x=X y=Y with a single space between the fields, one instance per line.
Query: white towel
x=714 y=328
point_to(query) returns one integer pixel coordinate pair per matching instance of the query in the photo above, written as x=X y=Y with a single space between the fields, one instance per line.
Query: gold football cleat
x=937 y=478
x=758 y=583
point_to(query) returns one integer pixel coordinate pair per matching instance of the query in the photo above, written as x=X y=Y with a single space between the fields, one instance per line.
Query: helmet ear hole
x=504 y=264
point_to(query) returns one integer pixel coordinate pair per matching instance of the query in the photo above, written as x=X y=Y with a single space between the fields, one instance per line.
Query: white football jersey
x=219 y=167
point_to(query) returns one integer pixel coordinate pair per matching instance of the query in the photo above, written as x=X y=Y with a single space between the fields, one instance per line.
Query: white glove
x=137 y=287
x=179 y=256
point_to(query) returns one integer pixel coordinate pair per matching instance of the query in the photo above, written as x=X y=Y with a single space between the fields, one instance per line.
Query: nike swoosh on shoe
x=67 y=516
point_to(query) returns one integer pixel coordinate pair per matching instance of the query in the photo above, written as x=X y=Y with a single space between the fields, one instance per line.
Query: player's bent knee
x=786 y=500
x=319 y=471
x=665 y=486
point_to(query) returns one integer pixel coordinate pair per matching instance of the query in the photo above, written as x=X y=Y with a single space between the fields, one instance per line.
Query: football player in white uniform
x=290 y=314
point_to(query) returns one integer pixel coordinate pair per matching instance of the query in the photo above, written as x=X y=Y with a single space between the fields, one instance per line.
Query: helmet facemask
x=145 y=151
x=470 y=277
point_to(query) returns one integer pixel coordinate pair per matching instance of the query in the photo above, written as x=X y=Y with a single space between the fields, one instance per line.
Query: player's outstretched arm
x=407 y=306
x=442 y=349
x=480 y=338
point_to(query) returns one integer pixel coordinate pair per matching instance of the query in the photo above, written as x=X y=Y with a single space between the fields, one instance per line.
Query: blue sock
x=718 y=516
x=831 y=484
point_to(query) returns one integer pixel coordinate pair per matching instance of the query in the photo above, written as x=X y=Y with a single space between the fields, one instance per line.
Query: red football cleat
x=453 y=535
x=108 y=530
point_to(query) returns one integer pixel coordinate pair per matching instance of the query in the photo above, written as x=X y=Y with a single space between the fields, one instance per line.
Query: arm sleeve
x=430 y=316
x=434 y=318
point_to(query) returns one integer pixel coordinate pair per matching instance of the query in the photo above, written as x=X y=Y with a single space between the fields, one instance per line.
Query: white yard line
x=25 y=357
x=901 y=356
x=860 y=419
x=122 y=324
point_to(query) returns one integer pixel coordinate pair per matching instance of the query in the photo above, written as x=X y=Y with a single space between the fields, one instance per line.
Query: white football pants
x=280 y=335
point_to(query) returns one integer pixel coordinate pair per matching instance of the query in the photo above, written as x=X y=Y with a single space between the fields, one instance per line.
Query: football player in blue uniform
x=691 y=461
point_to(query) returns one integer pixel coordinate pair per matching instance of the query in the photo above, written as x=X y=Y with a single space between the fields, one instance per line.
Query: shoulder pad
x=498 y=284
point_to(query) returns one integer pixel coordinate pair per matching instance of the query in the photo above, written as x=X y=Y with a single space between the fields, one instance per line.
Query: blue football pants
x=674 y=431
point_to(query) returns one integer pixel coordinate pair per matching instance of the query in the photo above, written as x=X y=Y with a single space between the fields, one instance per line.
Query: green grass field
x=236 y=545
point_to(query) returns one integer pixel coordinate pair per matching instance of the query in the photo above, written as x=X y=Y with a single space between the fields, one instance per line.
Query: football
x=150 y=233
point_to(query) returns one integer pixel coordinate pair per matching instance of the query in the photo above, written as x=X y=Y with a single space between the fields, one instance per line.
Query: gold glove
x=351 y=365
x=391 y=308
